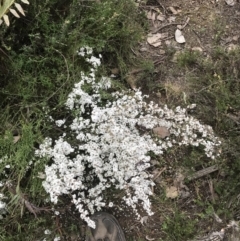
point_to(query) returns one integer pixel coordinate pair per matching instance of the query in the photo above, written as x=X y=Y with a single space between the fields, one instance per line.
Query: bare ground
x=207 y=25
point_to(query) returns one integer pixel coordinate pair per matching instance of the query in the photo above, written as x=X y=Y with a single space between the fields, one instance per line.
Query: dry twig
x=203 y=172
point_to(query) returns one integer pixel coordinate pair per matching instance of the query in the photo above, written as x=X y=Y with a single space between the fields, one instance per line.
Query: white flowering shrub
x=3 y=209
x=102 y=147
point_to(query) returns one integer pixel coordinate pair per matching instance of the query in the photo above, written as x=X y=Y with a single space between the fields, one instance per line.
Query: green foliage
x=112 y=27
x=179 y=227
x=188 y=58
x=38 y=68
x=41 y=52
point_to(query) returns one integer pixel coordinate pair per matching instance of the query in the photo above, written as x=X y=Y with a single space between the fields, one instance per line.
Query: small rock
x=161 y=131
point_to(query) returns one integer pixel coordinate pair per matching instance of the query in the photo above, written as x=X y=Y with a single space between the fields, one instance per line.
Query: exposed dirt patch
x=207 y=25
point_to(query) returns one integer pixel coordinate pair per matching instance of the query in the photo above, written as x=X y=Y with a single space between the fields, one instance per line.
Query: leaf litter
x=155 y=40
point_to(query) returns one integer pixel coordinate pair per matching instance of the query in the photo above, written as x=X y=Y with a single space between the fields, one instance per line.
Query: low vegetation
x=40 y=63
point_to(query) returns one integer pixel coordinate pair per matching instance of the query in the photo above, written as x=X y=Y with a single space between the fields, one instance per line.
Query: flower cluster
x=108 y=150
x=2 y=206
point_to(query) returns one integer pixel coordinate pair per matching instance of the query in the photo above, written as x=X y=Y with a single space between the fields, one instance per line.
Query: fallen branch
x=167 y=25
x=161 y=5
x=203 y=172
x=23 y=200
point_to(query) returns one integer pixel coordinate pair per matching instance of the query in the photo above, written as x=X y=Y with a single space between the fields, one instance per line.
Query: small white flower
x=2 y=205
x=47 y=232
x=57 y=238
x=59 y=123
x=57 y=213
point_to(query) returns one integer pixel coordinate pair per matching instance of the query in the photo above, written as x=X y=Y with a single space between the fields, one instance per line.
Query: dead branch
x=203 y=172
x=30 y=206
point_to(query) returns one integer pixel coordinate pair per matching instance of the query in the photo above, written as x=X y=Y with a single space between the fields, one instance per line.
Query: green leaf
x=6 y=4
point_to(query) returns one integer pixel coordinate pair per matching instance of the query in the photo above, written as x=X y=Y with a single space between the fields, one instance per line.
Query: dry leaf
x=161 y=131
x=19 y=8
x=179 y=37
x=6 y=19
x=235 y=38
x=173 y=10
x=154 y=16
x=197 y=49
x=115 y=71
x=230 y=2
x=151 y=15
x=144 y=220
x=171 y=192
x=16 y=139
x=132 y=81
x=41 y=175
x=25 y=1
x=154 y=39
x=14 y=12
x=161 y=17
x=171 y=19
